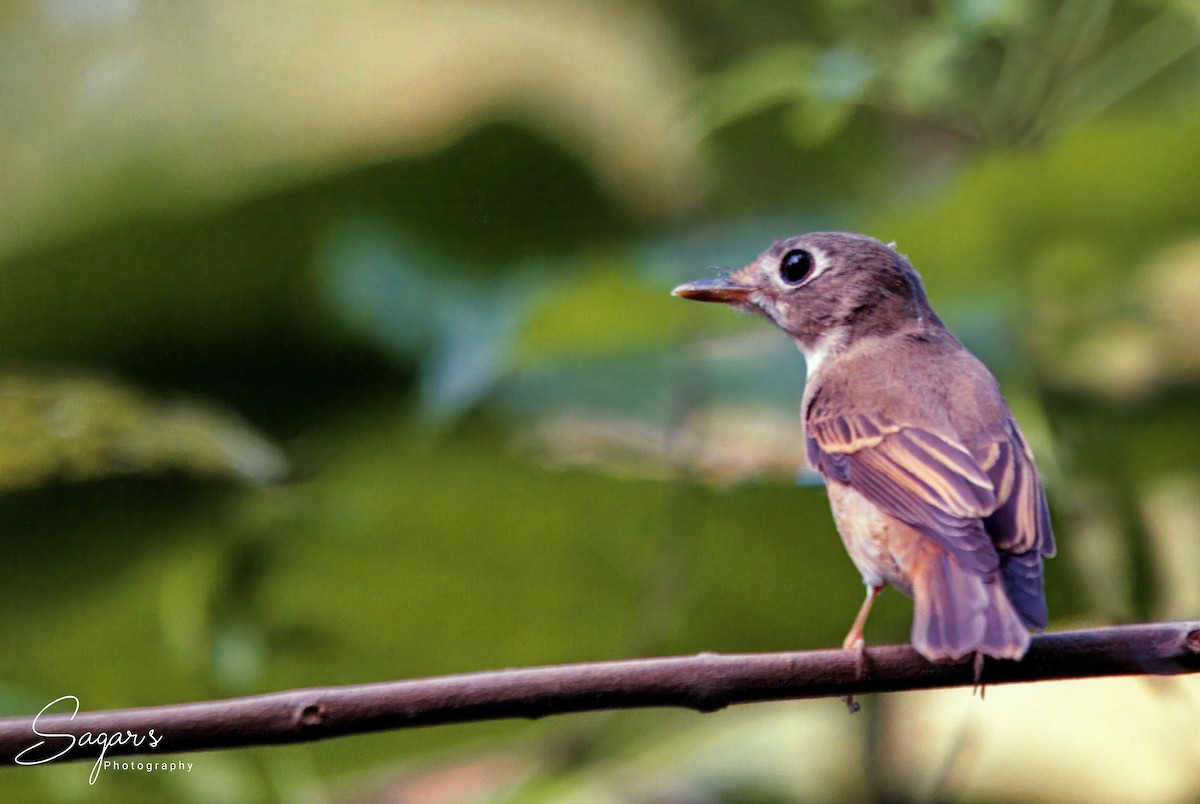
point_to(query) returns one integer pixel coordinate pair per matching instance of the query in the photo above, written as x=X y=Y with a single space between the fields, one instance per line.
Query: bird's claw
x=978 y=685
x=859 y=646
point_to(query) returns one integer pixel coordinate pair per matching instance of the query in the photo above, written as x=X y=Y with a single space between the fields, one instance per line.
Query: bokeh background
x=337 y=347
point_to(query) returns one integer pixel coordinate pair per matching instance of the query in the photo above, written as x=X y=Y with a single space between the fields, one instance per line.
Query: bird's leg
x=854 y=640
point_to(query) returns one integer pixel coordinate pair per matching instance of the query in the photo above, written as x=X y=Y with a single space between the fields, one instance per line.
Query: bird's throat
x=817 y=354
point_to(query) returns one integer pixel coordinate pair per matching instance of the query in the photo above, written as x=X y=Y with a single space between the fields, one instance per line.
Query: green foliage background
x=337 y=347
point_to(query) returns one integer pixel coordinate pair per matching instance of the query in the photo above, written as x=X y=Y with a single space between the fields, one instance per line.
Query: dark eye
x=795 y=265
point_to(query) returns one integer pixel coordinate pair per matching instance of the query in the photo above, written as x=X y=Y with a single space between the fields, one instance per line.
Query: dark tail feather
x=957 y=613
x=1022 y=577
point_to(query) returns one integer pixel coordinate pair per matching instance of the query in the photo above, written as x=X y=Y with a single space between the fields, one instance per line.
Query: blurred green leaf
x=841 y=74
x=989 y=16
x=819 y=86
x=127 y=112
x=812 y=122
x=606 y=309
x=1144 y=54
x=926 y=76
x=85 y=428
x=769 y=77
x=461 y=334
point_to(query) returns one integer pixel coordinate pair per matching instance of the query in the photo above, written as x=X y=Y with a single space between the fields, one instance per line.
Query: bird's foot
x=859 y=646
x=854 y=640
x=978 y=685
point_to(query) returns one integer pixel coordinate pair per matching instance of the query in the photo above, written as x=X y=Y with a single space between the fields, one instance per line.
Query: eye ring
x=795 y=266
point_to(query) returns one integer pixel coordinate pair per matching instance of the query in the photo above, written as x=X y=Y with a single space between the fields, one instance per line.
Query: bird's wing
x=1021 y=522
x=918 y=475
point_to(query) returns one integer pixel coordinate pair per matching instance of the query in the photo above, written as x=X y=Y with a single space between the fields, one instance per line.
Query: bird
x=931 y=482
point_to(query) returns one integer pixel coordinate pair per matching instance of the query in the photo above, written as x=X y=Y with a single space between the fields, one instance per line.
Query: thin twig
x=705 y=682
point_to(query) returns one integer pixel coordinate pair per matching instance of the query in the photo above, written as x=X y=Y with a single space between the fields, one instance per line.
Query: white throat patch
x=815 y=357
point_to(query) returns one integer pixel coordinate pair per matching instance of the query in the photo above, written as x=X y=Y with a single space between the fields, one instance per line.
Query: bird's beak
x=714 y=290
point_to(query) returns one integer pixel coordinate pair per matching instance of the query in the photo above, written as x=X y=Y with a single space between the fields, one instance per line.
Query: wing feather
x=1021 y=522
x=918 y=476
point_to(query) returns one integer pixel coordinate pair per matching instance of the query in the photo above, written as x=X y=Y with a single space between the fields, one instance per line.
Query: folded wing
x=921 y=477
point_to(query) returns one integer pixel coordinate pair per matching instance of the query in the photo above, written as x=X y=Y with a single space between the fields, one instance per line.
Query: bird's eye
x=795 y=265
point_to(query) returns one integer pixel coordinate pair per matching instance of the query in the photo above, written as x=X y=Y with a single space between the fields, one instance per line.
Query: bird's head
x=823 y=289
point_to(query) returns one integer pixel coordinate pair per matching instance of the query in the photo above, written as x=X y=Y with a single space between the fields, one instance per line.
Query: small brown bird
x=932 y=485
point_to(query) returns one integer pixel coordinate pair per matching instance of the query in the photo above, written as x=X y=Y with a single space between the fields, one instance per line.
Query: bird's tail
x=957 y=613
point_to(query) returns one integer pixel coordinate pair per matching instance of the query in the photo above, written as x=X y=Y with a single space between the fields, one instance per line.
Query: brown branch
x=705 y=682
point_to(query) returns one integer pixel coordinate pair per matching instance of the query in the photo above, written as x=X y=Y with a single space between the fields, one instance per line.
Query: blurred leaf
x=461 y=334
x=757 y=368
x=604 y=310
x=812 y=122
x=821 y=86
x=1009 y=207
x=718 y=445
x=926 y=76
x=989 y=16
x=769 y=77
x=840 y=74
x=477 y=336
x=126 y=111
x=717 y=409
x=1145 y=53
x=82 y=428
x=381 y=285
x=554 y=333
